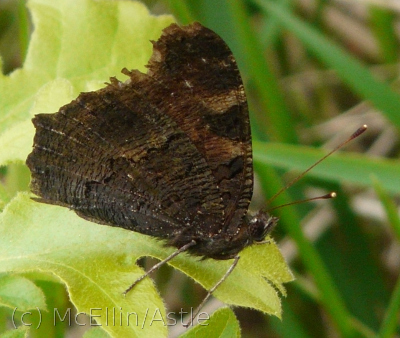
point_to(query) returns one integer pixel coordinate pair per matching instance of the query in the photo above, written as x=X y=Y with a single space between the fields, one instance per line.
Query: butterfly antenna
x=323 y=197
x=357 y=133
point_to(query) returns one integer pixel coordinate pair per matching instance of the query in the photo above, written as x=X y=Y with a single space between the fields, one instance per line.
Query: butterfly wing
x=165 y=153
x=198 y=76
x=113 y=158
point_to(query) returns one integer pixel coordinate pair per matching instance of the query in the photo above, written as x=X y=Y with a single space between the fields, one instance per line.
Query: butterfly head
x=261 y=225
x=253 y=230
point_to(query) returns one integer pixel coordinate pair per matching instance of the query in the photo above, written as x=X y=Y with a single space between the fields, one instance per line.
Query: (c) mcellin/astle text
x=113 y=317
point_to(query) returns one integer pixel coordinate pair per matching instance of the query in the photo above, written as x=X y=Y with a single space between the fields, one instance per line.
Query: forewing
x=203 y=91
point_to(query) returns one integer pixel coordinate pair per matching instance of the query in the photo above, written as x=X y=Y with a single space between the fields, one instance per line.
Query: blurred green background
x=314 y=71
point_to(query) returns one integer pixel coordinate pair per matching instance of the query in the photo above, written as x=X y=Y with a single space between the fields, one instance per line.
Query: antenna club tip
x=327 y=196
x=358 y=132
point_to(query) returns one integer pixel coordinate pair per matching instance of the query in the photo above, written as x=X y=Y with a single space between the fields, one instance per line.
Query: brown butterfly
x=167 y=153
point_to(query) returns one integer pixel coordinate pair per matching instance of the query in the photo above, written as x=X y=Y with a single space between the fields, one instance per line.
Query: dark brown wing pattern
x=199 y=75
x=167 y=153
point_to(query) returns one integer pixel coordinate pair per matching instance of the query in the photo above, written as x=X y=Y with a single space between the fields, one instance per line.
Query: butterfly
x=167 y=153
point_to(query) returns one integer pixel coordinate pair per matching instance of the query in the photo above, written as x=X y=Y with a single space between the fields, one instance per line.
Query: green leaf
x=94 y=268
x=20 y=332
x=96 y=333
x=389 y=205
x=222 y=324
x=353 y=168
x=97 y=263
x=390 y=320
x=75 y=46
x=19 y=293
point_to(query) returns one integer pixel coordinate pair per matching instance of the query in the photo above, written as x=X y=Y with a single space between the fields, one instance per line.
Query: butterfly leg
x=224 y=277
x=159 y=264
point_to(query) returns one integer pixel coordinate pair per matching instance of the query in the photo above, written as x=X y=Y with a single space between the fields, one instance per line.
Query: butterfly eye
x=261 y=225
